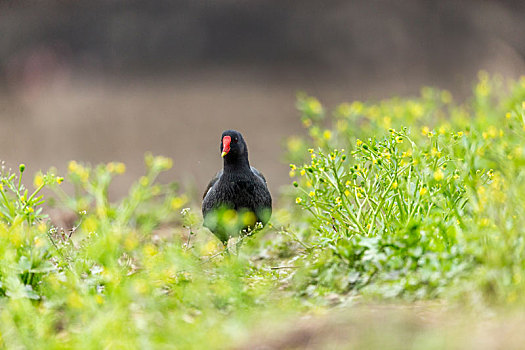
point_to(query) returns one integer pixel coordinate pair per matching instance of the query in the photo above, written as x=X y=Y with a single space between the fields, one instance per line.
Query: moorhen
x=237 y=197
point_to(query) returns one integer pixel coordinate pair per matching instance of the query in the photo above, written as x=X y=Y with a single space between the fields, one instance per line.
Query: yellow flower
x=399 y=139
x=327 y=134
x=120 y=168
x=99 y=299
x=394 y=185
x=307 y=122
x=294 y=144
x=72 y=166
x=311 y=194
x=358 y=143
x=144 y=181
x=493 y=132
x=164 y=163
x=292 y=173
x=79 y=170
x=508 y=115
x=347 y=193
x=425 y=130
x=357 y=107
x=460 y=133
x=298 y=200
x=310 y=150
x=314 y=105
x=438 y=175
x=110 y=167
x=423 y=191
x=293 y=167
x=38 y=181
x=149 y=249
x=178 y=202
x=303 y=172
x=338 y=200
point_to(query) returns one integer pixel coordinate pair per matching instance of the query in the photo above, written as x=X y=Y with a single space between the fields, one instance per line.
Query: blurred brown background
x=109 y=80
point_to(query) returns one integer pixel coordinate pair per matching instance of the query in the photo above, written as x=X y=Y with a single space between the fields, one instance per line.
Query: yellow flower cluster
x=79 y=170
x=178 y=202
x=492 y=132
x=116 y=168
x=314 y=105
x=292 y=170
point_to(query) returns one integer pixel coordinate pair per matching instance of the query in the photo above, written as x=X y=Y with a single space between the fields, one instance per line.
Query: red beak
x=226 y=140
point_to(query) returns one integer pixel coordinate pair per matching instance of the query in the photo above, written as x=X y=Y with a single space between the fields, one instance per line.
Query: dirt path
x=393 y=326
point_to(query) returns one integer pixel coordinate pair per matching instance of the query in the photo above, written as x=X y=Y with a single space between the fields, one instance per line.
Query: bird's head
x=233 y=145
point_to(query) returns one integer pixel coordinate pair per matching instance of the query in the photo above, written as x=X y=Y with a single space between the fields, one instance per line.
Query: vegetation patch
x=401 y=199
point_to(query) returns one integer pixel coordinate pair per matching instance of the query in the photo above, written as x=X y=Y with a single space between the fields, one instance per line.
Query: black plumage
x=237 y=197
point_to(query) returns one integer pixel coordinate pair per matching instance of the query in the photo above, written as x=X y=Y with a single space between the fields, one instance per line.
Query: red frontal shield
x=226 y=140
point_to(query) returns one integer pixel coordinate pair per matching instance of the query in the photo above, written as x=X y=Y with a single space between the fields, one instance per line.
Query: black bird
x=237 y=197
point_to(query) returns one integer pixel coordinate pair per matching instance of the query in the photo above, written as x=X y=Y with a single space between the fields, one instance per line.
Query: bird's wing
x=212 y=182
x=258 y=174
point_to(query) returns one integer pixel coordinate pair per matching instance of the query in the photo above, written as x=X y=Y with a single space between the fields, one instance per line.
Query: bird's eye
x=235 y=140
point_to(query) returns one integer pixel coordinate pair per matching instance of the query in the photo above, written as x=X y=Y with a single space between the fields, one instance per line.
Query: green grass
x=401 y=200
